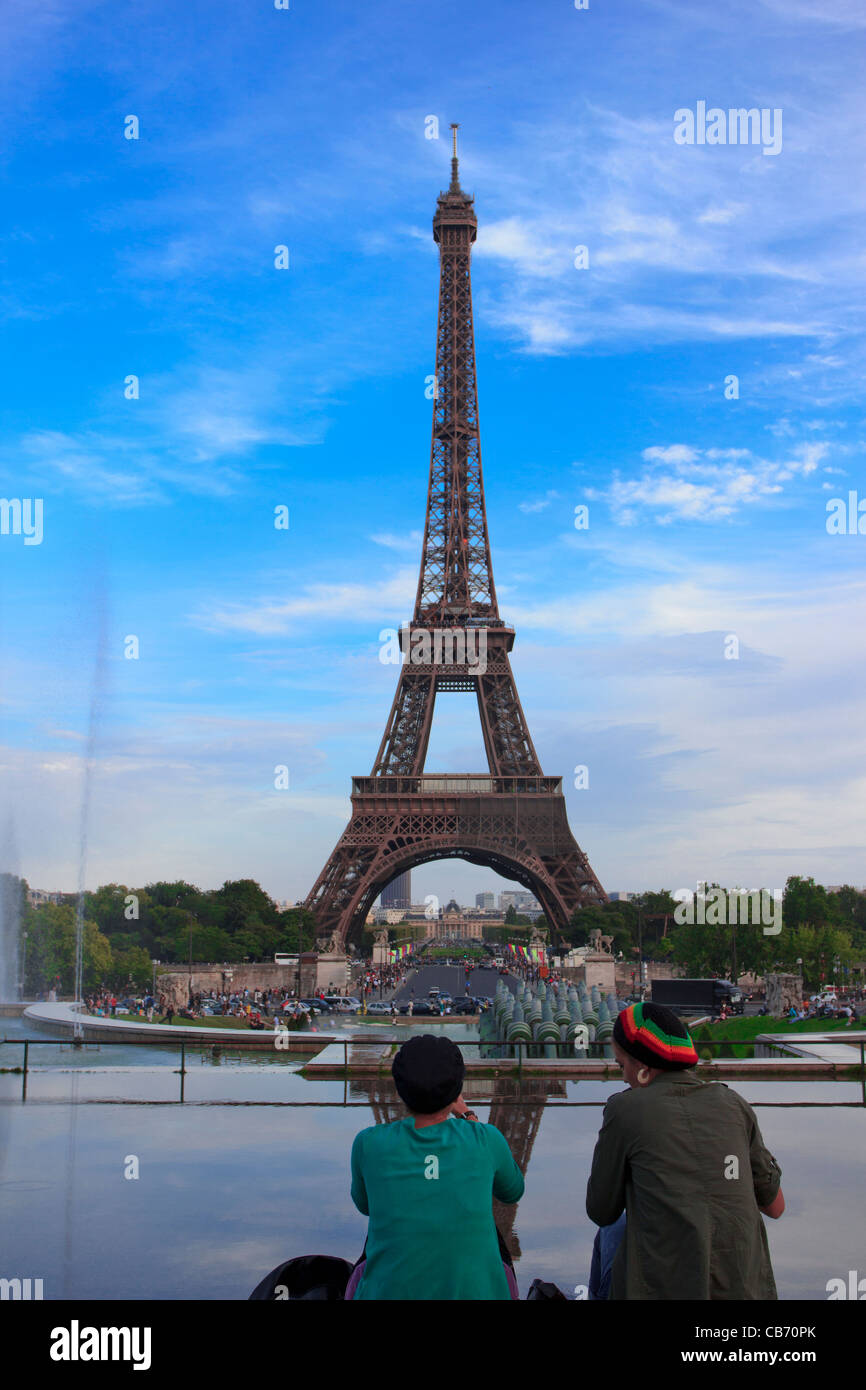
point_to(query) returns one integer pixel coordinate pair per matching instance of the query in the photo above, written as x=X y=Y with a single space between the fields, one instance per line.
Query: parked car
x=380 y=1007
x=433 y=993
x=422 y=1010
x=464 y=1005
x=321 y=1004
x=341 y=1005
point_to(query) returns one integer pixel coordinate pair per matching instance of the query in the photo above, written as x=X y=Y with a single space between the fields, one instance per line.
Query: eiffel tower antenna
x=511 y=819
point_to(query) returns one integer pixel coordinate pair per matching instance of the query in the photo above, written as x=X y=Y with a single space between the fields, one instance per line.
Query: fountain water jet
x=94 y=722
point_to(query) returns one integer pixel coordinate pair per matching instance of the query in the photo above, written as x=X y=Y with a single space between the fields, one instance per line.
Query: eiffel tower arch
x=512 y=818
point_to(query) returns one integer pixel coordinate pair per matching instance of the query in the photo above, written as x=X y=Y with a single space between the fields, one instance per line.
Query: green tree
x=701 y=950
x=51 y=950
x=807 y=904
x=130 y=966
x=817 y=947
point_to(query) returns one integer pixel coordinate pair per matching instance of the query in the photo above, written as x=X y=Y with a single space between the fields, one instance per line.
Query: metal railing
x=460 y=784
x=526 y=1052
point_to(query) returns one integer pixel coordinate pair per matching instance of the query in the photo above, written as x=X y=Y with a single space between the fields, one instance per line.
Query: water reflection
x=229 y=1190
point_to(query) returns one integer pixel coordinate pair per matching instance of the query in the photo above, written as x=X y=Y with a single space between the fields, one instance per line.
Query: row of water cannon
x=558 y=1020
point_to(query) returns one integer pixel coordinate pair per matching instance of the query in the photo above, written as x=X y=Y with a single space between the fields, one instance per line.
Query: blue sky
x=602 y=386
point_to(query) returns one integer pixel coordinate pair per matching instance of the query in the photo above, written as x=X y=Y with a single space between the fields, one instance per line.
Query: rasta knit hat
x=428 y=1073
x=655 y=1036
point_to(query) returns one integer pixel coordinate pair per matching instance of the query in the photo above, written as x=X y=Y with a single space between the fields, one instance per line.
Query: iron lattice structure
x=514 y=819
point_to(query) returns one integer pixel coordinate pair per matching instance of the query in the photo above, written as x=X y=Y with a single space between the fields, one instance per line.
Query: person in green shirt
x=426 y=1183
x=686 y=1161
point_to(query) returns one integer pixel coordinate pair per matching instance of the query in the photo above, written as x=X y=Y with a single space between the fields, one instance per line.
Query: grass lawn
x=442 y=953
x=745 y=1029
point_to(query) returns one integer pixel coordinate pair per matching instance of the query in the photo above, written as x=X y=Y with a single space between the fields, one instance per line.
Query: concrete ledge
x=63 y=1018
x=330 y=1063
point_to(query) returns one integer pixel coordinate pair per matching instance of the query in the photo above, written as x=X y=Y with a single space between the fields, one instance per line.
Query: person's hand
x=461 y=1109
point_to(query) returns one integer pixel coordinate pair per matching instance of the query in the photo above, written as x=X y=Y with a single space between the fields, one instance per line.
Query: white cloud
x=410 y=541
x=540 y=504
x=670 y=453
x=705 y=485
x=385 y=602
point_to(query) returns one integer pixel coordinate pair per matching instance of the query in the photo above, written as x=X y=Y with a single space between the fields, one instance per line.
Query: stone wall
x=653 y=970
x=782 y=992
x=326 y=972
x=597 y=969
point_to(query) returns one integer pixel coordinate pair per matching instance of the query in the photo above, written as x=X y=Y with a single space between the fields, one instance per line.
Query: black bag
x=307 y=1276
x=540 y=1289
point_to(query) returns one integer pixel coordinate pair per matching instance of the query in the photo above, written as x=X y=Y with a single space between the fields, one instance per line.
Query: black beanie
x=428 y=1073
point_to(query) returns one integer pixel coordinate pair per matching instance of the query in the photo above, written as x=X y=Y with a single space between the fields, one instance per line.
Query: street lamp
x=299 y=956
x=640 y=947
x=189 y=983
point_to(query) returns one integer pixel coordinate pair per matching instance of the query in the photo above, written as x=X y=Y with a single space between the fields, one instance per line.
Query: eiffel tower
x=513 y=818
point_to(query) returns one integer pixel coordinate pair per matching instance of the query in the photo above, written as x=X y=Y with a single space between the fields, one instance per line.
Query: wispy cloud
x=686 y=483
x=541 y=503
x=386 y=602
x=411 y=541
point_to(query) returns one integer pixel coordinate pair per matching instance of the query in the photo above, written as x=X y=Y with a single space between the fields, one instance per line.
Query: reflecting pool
x=254 y=1168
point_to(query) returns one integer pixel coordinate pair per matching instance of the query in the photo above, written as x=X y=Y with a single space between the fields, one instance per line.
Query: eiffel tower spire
x=456 y=581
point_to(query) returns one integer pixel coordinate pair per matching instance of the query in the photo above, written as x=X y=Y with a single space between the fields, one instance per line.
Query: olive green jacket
x=686 y=1160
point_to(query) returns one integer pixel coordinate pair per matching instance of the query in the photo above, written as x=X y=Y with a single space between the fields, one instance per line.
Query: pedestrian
x=426 y=1184
x=684 y=1160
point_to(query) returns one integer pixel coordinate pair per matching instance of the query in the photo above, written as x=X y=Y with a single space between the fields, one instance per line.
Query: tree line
x=823 y=934
x=126 y=929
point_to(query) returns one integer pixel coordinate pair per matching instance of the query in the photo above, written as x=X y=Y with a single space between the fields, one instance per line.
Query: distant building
x=486 y=900
x=37 y=896
x=621 y=897
x=452 y=924
x=398 y=893
x=520 y=900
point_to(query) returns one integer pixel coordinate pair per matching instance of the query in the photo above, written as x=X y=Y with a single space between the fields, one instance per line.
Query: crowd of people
x=251 y=1006
x=822 y=1006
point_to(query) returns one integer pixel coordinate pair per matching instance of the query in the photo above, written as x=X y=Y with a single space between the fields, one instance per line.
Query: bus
x=282 y=959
